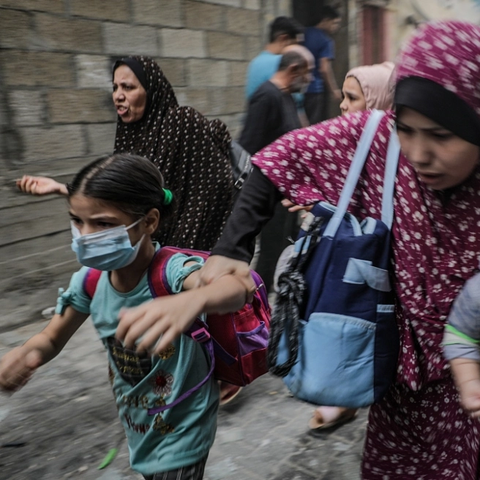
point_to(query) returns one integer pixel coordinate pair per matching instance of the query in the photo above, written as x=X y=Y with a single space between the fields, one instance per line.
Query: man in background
x=271 y=113
x=319 y=41
x=284 y=31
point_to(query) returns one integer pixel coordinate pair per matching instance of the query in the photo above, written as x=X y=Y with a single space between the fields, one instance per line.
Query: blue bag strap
x=361 y=153
x=393 y=153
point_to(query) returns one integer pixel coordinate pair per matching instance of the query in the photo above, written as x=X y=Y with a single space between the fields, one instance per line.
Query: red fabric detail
x=226 y=329
x=90 y=281
x=157 y=270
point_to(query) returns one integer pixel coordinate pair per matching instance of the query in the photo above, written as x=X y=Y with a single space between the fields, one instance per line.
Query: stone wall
x=56 y=112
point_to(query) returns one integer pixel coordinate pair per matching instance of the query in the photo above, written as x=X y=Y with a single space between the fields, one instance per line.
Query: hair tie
x=167 y=196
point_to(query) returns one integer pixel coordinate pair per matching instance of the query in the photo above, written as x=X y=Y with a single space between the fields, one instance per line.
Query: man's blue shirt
x=261 y=69
x=322 y=46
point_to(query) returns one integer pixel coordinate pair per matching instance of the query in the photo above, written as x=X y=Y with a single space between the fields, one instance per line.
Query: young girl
x=116 y=204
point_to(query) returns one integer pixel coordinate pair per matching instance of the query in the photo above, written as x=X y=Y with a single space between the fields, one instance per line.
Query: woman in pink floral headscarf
x=419 y=430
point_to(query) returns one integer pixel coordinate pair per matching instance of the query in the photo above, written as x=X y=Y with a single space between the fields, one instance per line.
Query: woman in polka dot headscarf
x=419 y=430
x=191 y=152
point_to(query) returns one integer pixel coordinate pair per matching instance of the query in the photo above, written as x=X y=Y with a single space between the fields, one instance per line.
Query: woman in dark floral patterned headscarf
x=419 y=430
x=191 y=152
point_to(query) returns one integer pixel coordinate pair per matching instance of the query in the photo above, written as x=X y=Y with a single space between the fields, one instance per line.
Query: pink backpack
x=237 y=342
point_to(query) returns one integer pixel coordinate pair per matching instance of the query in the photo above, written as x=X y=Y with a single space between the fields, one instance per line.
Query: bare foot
x=327 y=417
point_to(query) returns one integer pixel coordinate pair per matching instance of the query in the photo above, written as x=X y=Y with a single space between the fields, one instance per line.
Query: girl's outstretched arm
x=18 y=365
x=163 y=319
x=41 y=185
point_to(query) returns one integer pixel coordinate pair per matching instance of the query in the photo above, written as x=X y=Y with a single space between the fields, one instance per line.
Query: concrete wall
x=406 y=15
x=56 y=112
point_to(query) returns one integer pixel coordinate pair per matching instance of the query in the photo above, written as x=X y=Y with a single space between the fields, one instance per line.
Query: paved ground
x=64 y=422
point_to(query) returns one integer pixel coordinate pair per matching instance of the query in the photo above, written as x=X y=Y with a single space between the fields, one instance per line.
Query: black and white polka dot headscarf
x=191 y=152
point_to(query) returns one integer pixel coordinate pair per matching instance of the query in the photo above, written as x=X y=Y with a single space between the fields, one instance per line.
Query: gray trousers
x=192 y=472
x=316 y=107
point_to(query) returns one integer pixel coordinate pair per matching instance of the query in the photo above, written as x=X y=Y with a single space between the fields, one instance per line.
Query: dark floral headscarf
x=191 y=152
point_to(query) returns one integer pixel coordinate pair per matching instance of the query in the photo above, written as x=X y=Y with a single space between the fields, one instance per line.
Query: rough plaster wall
x=56 y=112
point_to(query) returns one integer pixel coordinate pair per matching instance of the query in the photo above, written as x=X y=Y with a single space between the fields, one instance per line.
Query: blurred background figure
x=271 y=109
x=284 y=31
x=367 y=87
x=271 y=113
x=319 y=41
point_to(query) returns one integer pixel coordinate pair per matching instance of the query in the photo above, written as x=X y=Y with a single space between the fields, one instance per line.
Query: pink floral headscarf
x=447 y=53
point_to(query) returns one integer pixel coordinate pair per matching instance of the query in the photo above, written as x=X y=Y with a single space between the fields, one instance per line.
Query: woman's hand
x=217 y=266
x=295 y=208
x=159 y=322
x=40 y=186
x=17 y=367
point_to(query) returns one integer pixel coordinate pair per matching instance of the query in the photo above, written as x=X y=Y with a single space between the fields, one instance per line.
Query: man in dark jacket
x=272 y=113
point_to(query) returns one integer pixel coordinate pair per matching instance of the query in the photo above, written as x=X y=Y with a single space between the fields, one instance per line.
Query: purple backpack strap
x=261 y=290
x=157 y=282
x=200 y=335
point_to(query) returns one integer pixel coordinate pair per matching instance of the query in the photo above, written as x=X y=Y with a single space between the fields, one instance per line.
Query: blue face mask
x=105 y=250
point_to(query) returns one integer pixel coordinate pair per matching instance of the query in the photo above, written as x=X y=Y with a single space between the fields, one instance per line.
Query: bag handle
x=356 y=167
x=291 y=283
x=391 y=164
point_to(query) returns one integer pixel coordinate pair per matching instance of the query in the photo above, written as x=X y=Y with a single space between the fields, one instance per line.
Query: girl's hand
x=17 y=367
x=40 y=185
x=159 y=322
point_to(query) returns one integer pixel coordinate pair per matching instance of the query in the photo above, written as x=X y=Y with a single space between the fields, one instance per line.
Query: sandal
x=228 y=392
x=328 y=417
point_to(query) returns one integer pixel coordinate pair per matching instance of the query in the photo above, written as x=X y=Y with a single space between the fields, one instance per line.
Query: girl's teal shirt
x=179 y=436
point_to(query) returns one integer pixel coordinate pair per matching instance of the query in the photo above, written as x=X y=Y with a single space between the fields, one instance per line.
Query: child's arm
x=460 y=344
x=164 y=319
x=18 y=365
x=40 y=185
x=466 y=373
